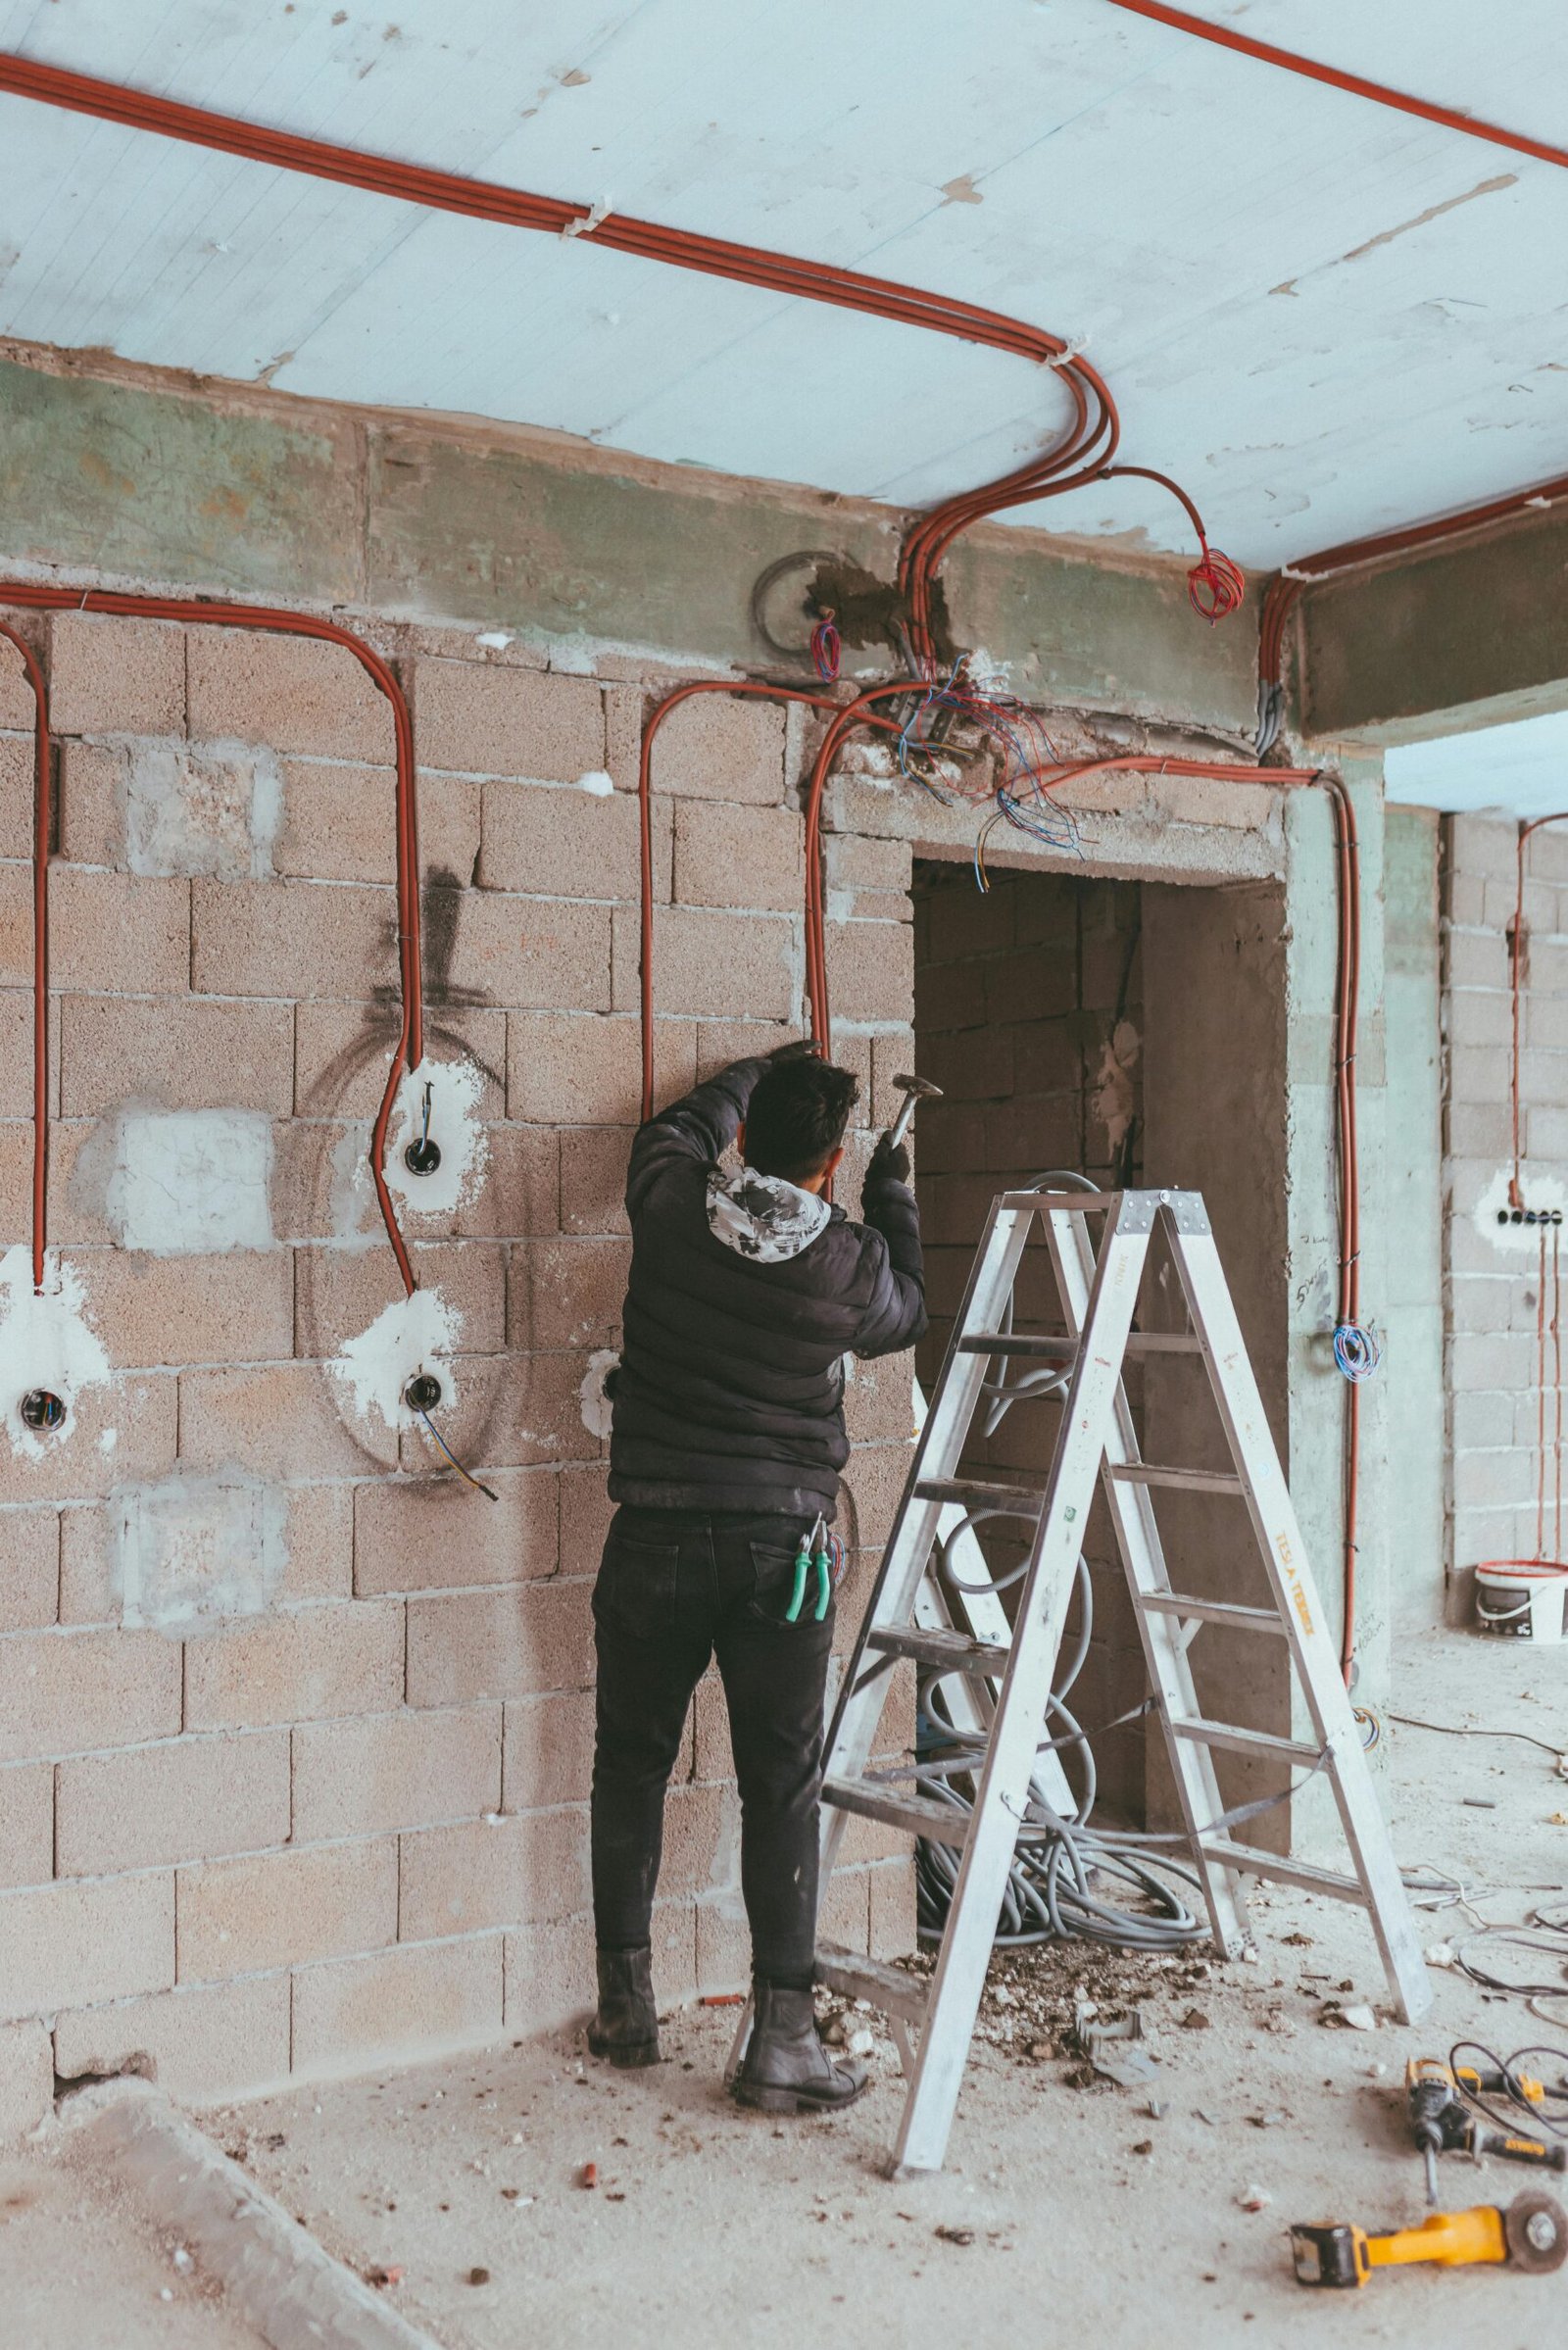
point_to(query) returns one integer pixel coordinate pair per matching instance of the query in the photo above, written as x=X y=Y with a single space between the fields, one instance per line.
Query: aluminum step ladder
x=1005 y=1676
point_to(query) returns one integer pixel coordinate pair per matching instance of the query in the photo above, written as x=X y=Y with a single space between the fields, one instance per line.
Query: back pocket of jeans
x=773 y=1586
x=637 y=1585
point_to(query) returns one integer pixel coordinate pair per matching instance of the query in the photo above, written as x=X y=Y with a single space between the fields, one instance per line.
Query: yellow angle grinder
x=1531 y=2234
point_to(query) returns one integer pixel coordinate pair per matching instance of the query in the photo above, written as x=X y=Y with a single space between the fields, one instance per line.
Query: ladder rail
x=1143 y=1557
x=1003 y=1792
x=1278 y=1538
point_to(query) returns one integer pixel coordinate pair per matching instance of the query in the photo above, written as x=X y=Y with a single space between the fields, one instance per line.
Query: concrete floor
x=1082 y=2214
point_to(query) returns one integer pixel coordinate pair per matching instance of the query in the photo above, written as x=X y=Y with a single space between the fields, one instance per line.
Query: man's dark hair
x=795 y=1118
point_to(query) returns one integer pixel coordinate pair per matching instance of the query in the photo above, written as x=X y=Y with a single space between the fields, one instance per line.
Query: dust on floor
x=1069 y=2208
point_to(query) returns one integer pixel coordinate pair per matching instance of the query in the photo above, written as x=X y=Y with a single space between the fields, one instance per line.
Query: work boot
x=626 y=2030
x=786 y=2070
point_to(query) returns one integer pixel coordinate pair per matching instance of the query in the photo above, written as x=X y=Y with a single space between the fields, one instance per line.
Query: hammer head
x=913 y=1089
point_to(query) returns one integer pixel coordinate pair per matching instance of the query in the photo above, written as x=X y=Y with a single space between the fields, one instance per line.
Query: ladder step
x=1182 y=1481
x=1230 y=1738
x=1211 y=1611
x=1224 y=1854
x=1063 y=1350
x=952 y=1651
x=856 y=1977
x=1026 y=1500
x=917 y=1815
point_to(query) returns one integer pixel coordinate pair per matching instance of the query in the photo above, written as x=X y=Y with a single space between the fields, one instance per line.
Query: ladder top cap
x=1140 y=1210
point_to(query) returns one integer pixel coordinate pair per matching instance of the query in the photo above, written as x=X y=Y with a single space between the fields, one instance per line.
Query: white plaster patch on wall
x=197 y=1549
x=352 y=1208
x=455 y=1088
x=597 y=783
x=190 y=1181
x=598 y=1411
x=412 y=1333
x=1520 y=1240
x=200 y=807
x=45 y=1342
x=1110 y=1098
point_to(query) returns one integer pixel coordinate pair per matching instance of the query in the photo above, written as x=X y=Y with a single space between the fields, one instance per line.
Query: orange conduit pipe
x=1335 y=78
x=1081 y=453
x=410 y=1049
x=41 y=828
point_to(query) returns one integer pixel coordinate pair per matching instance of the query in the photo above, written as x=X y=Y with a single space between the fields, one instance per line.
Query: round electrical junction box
x=422 y=1393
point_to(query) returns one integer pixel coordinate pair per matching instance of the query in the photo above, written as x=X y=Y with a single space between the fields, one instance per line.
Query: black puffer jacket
x=730 y=1390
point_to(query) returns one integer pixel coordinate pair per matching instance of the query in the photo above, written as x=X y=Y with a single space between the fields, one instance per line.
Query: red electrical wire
x=41 y=828
x=1447 y=117
x=410 y=1049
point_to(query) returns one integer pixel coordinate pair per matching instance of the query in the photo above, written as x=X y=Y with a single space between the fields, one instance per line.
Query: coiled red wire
x=212 y=612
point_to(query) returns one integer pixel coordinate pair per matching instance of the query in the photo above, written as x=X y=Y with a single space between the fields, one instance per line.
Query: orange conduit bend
x=1335 y=78
x=1081 y=453
x=211 y=613
x=41 y=828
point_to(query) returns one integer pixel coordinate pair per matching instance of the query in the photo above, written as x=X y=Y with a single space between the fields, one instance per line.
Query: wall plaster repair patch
x=417 y=1332
x=197 y=1548
x=47 y=1342
x=180 y=1182
x=440 y=1099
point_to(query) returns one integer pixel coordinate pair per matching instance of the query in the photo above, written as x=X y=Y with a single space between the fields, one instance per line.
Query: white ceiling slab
x=1521 y=768
x=1325 y=317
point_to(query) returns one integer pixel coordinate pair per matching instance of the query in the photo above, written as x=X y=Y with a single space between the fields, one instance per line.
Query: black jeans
x=674 y=1587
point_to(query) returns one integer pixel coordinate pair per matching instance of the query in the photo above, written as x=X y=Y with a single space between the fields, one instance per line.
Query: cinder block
x=875 y=1480
x=548 y=1751
x=527 y=952
x=567 y=843
x=519 y=1193
x=586 y=1510
x=894 y=1930
x=512 y=1643
x=395 y=1769
x=343 y=1050
x=193 y=1799
x=489 y=720
x=340 y=824
x=182 y=1052
x=300 y=1666
x=282 y=1420
x=1484 y=844
x=16 y=1053
x=721 y=747
x=152 y=1311
x=723 y=1953
x=1484 y=1017
x=739 y=857
x=567 y=1293
x=202 y=2044
x=102 y=927
x=276 y=1909
x=854 y=862
x=352 y=2014
x=26 y=2078
x=506 y=1872
x=30 y=1568
x=18 y=789
x=127 y=1430
x=292 y=693
x=91 y=802
x=68 y=1945
x=108 y=675
x=68 y=1693
x=593 y=1179
x=702 y=1839
x=436 y=1533
x=294 y=939
x=568 y=1069
x=549 y=1974
x=722 y=965
x=341 y=1291
x=844 y=1915
x=26 y=1824
x=16 y=694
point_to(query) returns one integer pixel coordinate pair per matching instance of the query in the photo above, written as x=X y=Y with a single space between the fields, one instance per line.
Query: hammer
x=913 y=1089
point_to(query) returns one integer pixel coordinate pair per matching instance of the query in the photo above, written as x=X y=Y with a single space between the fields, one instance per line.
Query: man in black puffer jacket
x=747 y=1293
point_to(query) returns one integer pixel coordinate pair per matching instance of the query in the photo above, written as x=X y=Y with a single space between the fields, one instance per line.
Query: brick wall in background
x=1029 y=1015
x=1492 y=1272
x=347 y=1818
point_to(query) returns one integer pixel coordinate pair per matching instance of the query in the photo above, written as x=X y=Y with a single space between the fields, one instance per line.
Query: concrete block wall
x=1492 y=1270
x=295 y=1728
x=1029 y=1014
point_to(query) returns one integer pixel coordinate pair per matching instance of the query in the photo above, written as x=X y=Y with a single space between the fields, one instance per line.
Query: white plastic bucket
x=1521 y=1598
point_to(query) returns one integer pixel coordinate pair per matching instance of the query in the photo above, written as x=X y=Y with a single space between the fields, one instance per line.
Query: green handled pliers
x=813 y=1551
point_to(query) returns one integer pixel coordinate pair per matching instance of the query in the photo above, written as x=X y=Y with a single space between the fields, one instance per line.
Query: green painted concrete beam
x=155 y=479
x=1473 y=630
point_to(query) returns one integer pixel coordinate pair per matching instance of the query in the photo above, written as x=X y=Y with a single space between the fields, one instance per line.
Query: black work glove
x=889 y=1162
x=798 y=1048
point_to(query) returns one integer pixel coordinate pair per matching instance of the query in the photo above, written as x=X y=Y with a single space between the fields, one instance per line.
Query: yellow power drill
x=1442 y=2123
